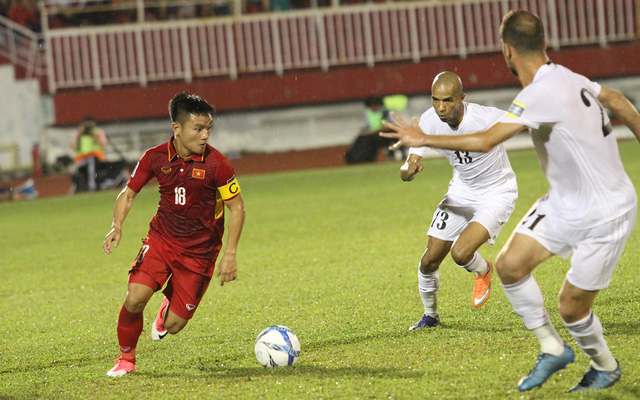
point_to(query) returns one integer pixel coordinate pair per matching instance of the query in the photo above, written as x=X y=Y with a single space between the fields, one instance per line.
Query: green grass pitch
x=332 y=254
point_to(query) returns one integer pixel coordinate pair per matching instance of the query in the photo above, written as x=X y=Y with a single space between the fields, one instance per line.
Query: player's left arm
x=412 y=135
x=228 y=267
x=622 y=108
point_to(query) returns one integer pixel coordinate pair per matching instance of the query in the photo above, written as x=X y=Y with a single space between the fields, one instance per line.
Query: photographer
x=88 y=144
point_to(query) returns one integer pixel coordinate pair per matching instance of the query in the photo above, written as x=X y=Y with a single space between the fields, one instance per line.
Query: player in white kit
x=590 y=209
x=480 y=199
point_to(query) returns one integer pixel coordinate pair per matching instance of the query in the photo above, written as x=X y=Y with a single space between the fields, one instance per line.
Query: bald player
x=480 y=199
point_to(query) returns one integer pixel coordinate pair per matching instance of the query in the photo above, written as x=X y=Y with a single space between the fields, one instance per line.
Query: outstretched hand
x=407 y=135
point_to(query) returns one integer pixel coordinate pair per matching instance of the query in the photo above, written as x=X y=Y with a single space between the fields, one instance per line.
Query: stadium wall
x=20 y=119
x=255 y=92
x=300 y=129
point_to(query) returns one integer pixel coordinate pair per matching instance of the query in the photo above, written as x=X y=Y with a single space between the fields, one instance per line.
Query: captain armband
x=229 y=190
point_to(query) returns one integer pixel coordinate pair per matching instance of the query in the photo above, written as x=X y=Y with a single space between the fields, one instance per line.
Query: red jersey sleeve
x=225 y=179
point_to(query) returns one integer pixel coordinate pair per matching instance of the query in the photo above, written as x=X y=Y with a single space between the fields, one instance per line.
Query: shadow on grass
x=303 y=370
x=626 y=327
x=444 y=331
x=71 y=362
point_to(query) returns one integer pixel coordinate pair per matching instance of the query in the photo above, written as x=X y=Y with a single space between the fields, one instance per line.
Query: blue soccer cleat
x=546 y=366
x=594 y=379
x=427 y=321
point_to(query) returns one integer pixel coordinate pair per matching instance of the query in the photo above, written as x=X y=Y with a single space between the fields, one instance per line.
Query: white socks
x=428 y=286
x=477 y=265
x=550 y=341
x=527 y=301
x=587 y=332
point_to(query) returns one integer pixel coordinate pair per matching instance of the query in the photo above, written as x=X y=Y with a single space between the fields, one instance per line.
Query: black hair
x=523 y=30
x=183 y=104
x=373 y=101
x=88 y=124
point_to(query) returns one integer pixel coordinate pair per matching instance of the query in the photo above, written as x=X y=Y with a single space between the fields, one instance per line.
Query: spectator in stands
x=213 y=8
x=88 y=143
x=221 y=7
x=121 y=14
x=58 y=17
x=164 y=11
x=253 y=6
x=280 y=5
x=185 y=10
x=304 y=4
x=25 y=13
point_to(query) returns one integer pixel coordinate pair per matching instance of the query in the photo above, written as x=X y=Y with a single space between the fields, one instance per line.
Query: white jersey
x=579 y=156
x=474 y=173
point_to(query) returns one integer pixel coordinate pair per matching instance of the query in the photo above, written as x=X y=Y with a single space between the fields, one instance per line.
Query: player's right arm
x=411 y=167
x=412 y=135
x=120 y=212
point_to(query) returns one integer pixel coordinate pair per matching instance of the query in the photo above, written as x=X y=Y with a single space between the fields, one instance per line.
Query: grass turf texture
x=332 y=254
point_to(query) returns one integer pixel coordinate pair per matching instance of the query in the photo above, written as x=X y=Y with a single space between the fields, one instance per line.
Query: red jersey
x=190 y=215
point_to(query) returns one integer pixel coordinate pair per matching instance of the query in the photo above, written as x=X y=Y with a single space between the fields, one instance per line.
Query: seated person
x=368 y=142
x=88 y=143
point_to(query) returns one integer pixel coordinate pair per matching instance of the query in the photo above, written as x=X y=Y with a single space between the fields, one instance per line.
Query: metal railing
x=22 y=47
x=322 y=38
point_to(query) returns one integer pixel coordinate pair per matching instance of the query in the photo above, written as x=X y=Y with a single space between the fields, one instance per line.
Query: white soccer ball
x=277 y=346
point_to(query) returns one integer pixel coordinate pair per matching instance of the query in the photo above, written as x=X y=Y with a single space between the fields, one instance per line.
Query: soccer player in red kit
x=196 y=182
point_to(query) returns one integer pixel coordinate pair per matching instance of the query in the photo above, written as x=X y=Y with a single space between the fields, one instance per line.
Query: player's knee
x=507 y=269
x=572 y=308
x=428 y=266
x=135 y=304
x=175 y=325
x=462 y=254
x=571 y=314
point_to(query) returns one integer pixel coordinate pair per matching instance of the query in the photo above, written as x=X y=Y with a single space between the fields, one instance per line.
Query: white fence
x=321 y=38
x=22 y=47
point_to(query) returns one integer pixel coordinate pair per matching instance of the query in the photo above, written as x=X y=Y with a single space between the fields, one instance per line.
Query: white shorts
x=456 y=211
x=596 y=250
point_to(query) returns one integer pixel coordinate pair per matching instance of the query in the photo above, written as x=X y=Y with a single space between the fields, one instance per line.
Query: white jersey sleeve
x=571 y=132
x=475 y=173
x=426 y=127
x=420 y=151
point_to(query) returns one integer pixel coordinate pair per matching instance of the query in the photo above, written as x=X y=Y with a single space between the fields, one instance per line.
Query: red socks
x=129 y=330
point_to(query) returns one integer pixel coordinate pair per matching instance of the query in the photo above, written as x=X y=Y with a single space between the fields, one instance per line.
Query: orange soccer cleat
x=482 y=287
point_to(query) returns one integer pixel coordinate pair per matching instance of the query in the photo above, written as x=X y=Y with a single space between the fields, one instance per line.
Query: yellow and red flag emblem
x=198 y=173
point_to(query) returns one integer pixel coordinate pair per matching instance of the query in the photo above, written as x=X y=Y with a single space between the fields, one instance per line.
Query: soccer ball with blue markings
x=277 y=346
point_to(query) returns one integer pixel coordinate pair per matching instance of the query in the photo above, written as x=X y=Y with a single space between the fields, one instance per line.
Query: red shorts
x=156 y=263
